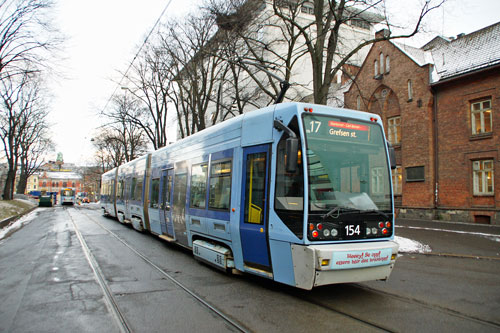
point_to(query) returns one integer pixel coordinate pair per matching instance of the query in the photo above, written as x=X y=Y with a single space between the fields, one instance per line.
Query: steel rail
x=108 y=294
x=173 y=280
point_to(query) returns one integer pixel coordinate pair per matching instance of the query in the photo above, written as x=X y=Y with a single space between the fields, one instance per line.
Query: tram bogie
x=235 y=197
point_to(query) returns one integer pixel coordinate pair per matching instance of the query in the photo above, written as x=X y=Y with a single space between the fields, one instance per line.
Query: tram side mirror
x=292 y=150
x=392 y=156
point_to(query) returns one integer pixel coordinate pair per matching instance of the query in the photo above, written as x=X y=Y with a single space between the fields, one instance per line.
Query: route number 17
x=315 y=125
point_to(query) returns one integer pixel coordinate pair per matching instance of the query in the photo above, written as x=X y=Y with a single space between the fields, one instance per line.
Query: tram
x=297 y=193
x=67 y=196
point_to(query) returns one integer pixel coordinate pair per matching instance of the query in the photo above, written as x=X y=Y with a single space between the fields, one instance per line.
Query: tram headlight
x=326 y=232
x=374 y=231
x=334 y=233
x=368 y=231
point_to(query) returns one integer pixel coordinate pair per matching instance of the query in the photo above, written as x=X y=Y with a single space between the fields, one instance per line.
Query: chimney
x=384 y=33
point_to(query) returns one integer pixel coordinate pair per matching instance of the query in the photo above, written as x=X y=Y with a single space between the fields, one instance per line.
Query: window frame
x=410 y=90
x=397 y=180
x=480 y=177
x=191 y=188
x=481 y=111
x=212 y=177
x=154 y=200
x=394 y=130
x=415 y=179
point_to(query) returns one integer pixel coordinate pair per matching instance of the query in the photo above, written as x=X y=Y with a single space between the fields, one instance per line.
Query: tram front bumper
x=317 y=265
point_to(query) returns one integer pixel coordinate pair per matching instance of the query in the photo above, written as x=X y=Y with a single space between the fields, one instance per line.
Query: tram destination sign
x=324 y=128
x=348 y=131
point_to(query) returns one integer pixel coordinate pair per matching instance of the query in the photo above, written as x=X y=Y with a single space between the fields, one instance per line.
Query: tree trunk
x=9 y=186
x=21 y=185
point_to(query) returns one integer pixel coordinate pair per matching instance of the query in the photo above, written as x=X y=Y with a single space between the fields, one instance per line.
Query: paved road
x=48 y=285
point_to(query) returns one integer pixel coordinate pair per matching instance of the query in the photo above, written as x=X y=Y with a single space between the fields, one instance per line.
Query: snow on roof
x=61 y=175
x=468 y=53
x=452 y=57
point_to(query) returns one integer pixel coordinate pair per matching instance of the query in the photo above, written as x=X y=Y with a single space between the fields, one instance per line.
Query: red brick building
x=440 y=107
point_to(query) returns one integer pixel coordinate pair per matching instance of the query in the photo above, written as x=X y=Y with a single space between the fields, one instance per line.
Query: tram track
x=431 y=306
x=340 y=308
x=111 y=301
x=355 y=315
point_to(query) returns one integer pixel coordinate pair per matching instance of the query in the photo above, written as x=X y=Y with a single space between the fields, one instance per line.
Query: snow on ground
x=410 y=246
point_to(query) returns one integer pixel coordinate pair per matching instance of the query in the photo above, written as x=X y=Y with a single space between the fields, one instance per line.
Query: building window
x=481 y=117
x=415 y=174
x=397 y=180
x=338 y=76
x=410 y=91
x=375 y=67
x=307 y=8
x=378 y=181
x=359 y=23
x=381 y=63
x=387 y=64
x=358 y=103
x=394 y=130
x=483 y=177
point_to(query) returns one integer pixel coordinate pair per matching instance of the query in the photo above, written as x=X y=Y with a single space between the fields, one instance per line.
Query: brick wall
x=387 y=95
x=458 y=147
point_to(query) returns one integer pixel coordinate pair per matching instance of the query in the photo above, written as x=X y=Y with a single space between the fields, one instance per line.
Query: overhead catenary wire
x=136 y=55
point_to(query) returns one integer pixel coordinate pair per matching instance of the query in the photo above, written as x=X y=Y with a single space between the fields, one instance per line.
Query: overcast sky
x=104 y=35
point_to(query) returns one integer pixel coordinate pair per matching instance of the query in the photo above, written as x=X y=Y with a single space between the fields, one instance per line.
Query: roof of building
x=454 y=57
x=61 y=175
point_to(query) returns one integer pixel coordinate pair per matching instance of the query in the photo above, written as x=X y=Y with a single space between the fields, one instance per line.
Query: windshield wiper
x=337 y=211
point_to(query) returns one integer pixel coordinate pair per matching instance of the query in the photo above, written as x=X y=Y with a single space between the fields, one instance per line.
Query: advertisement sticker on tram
x=357 y=259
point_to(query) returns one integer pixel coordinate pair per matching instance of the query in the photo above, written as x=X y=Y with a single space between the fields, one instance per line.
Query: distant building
x=54 y=181
x=440 y=108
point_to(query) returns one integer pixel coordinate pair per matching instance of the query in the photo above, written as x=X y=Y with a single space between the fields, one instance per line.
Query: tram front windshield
x=347 y=164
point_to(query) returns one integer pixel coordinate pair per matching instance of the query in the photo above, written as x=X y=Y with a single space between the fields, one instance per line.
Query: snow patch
x=410 y=246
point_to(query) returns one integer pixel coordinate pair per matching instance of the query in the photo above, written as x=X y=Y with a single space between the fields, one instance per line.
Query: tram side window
x=155 y=192
x=119 y=190
x=289 y=197
x=138 y=190
x=220 y=185
x=199 y=186
x=132 y=188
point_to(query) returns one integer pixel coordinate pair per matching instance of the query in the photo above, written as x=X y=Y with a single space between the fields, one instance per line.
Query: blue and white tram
x=297 y=193
x=68 y=196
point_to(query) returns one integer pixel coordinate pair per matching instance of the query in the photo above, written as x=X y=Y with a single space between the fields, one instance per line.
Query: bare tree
x=188 y=48
x=149 y=83
x=307 y=28
x=34 y=140
x=26 y=38
x=123 y=138
x=23 y=119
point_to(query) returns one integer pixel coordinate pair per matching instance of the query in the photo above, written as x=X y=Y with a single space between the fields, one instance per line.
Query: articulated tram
x=297 y=193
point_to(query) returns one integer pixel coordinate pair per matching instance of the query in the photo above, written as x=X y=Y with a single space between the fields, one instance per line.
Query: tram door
x=167 y=178
x=179 y=203
x=253 y=220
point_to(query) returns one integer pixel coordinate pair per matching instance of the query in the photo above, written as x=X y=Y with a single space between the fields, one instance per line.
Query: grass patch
x=9 y=208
